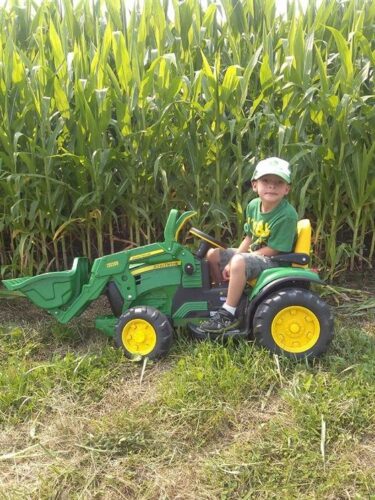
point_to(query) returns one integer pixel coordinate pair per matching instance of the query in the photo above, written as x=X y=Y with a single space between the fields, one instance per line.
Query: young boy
x=270 y=228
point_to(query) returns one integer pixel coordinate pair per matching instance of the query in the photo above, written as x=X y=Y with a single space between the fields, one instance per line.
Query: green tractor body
x=157 y=287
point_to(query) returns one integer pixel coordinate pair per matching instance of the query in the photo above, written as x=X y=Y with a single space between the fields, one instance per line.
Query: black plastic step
x=201 y=334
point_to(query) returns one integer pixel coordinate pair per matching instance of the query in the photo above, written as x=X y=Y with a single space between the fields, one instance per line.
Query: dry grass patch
x=80 y=421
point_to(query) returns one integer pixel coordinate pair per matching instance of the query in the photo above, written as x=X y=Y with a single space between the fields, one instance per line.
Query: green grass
x=79 y=420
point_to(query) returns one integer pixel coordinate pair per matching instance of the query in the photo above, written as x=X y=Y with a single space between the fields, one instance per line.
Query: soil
x=358 y=280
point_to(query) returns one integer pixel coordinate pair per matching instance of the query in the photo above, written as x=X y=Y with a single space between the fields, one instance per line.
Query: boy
x=270 y=228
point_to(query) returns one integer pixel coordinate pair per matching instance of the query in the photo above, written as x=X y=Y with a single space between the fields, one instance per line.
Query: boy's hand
x=226 y=272
x=266 y=252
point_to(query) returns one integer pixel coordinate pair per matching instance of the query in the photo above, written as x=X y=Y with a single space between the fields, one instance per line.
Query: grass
x=78 y=420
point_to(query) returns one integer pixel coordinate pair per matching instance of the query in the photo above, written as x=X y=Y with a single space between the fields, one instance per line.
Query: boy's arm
x=266 y=251
x=244 y=247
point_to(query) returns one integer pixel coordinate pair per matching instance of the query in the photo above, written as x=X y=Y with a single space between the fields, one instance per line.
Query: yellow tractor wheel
x=144 y=331
x=294 y=322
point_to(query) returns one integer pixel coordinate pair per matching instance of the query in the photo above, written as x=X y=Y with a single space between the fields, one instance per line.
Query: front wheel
x=294 y=322
x=144 y=331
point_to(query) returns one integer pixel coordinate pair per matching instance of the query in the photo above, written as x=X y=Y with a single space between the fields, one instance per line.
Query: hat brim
x=271 y=171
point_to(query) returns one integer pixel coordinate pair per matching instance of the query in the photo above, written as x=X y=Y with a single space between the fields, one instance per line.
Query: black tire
x=144 y=331
x=294 y=322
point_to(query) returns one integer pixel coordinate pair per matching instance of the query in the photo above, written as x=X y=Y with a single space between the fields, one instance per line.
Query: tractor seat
x=301 y=254
x=303 y=242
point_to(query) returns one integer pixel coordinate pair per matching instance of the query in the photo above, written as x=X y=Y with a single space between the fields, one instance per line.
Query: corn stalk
x=109 y=117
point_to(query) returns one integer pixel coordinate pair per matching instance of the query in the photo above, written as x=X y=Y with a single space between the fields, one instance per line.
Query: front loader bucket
x=55 y=289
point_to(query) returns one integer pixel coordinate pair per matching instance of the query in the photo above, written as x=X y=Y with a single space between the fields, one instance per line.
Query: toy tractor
x=160 y=286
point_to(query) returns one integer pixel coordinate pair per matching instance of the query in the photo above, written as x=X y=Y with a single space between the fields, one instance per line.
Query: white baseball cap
x=273 y=165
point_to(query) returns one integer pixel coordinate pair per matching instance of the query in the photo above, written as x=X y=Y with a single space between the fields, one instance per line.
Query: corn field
x=110 y=117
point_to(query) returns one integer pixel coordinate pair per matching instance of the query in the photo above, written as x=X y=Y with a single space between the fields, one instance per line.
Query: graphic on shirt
x=261 y=231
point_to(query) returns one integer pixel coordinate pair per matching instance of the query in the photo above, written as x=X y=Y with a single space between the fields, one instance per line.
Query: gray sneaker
x=220 y=322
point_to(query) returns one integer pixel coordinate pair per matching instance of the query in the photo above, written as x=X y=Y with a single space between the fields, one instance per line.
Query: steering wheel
x=206 y=243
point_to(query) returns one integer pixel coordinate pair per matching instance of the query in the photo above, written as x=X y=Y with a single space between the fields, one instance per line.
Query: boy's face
x=271 y=189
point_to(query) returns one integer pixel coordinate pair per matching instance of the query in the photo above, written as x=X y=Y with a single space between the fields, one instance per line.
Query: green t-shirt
x=276 y=229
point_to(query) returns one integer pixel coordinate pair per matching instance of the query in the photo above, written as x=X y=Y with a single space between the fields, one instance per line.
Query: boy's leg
x=237 y=280
x=256 y=264
x=217 y=260
x=213 y=258
x=224 y=319
x=242 y=267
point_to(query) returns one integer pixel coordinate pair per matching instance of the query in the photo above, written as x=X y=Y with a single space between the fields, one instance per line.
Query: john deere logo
x=114 y=263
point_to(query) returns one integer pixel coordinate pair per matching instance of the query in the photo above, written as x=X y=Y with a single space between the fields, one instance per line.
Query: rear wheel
x=144 y=332
x=294 y=322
